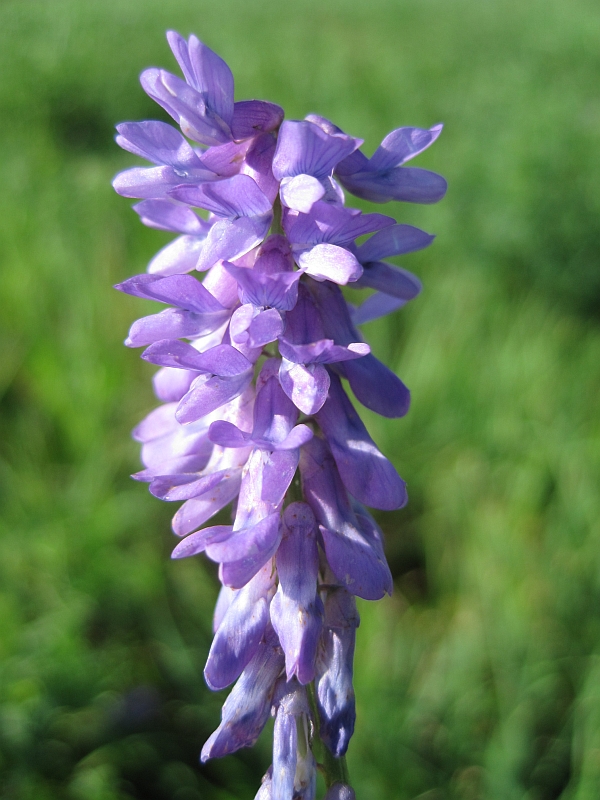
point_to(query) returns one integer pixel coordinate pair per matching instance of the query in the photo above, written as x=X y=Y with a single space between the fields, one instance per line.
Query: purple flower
x=203 y=104
x=304 y=161
x=297 y=609
x=294 y=768
x=243 y=216
x=383 y=177
x=335 y=694
x=254 y=411
x=320 y=239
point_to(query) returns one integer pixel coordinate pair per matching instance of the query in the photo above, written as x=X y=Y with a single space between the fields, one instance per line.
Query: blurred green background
x=480 y=677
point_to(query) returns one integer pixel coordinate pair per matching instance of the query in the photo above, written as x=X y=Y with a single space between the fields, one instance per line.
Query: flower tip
x=360 y=347
x=205 y=754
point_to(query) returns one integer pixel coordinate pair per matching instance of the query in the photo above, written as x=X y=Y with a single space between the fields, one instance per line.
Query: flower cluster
x=254 y=412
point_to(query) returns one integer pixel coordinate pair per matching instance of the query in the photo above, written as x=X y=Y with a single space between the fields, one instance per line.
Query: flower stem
x=276 y=226
x=334 y=770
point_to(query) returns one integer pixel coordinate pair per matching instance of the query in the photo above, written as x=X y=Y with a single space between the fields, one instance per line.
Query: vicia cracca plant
x=254 y=412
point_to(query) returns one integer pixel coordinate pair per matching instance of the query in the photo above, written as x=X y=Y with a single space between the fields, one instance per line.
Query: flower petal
x=301 y=192
x=167 y=216
x=366 y=473
x=252 y=117
x=330 y=262
x=206 y=72
x=247 y=708
x=395 y=240
x=241 y=630
x=158 y=142
x=401 y=145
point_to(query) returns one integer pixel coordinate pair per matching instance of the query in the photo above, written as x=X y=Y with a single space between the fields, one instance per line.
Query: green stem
x=276 y=224
x=334 y=770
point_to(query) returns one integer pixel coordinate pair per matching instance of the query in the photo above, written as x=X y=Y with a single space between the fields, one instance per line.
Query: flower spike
x=254 y=413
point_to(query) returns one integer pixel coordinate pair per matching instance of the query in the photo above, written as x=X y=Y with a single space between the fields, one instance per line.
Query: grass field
x=480 y=678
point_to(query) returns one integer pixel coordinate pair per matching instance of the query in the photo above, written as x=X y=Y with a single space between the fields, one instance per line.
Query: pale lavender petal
x=391 y=280
x=241 y=630
x=158 y=142
x=330 y=262
x=240 y=322
x=247 y=708
x=265 y=327
x=156 y=182
x=171 y=384
x=323 y=123
x=257 y=165
x=197 y=542
x=195 y=462
x=208 y=393
x=159 y=422
x=187 y=106
x=183 y=291
x=167 y=216
x=206 y=72
x=267 y=478
x=274 y=255
x=245 y=543
x=225 y=160
x=285 y=744
x=226 y=434
x=266 y=290
x=296 y=609
x=333 y=224
x=306 y=386
x=261 y=543
x=322 y=352
x=335 y=693
x=252 y=117
x=184 y=487
x=162 y=455
x=393 y=241
x=365 y=471
x=305 y=148
x=401 y=145
x=230 y=239
x=223 y=360
x=178 y=257
x=238 y=196
x=265 y=791
x=376 y=306
x=224 y=599
x=300 y=192
x=298 y=436
x=274 y=413
x=221 y=285
x=198 y=510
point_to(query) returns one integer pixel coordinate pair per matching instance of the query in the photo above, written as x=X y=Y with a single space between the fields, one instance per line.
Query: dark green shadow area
x=480 y=677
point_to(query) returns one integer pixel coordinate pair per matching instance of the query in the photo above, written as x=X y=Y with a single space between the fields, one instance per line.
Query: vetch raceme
x=254 y=413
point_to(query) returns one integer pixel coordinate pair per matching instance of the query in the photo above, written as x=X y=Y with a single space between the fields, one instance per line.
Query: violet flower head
x=254 y=407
